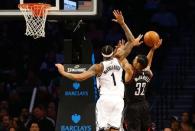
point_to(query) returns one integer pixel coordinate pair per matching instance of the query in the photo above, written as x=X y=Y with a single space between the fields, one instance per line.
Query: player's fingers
x=120 y=12
x=123 y=41
x=114 y=11
x=161 y=41
x=114 y=14
x=140 y=36
x=114 y=20
x=141 y=42
x=119 y=42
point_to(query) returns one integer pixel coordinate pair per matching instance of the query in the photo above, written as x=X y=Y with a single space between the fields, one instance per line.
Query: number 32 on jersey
x=140 y=89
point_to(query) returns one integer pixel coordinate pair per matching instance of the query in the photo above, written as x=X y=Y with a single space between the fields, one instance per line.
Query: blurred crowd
x=185 y=122
x=27 y=63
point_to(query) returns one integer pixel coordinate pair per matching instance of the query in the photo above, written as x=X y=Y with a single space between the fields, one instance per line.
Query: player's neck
x=107 y=58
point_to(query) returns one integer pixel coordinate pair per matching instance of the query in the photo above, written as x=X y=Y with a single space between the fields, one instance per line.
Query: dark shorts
x=137 y=117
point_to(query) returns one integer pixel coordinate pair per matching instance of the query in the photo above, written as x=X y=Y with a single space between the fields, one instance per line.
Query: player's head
x=140 y=62
x=107 y=51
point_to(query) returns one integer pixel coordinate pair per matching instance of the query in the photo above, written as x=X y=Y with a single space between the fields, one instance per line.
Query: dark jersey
x=136 y=88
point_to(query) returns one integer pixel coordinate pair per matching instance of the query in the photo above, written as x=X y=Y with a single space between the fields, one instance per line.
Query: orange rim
x=38 y=9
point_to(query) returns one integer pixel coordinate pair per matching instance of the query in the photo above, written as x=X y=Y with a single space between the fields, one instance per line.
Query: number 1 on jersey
x=113 y=77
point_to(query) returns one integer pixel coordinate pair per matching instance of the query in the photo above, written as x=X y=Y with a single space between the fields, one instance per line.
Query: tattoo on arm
x=127 y=49
x=92 y=69
x=128 y=32
x=82 y=76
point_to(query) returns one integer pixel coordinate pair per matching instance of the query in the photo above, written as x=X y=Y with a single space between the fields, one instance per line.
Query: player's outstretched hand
x=119 y=48
x=137 y=41
x=60 y=67
x=118 y=17
x=121 y=43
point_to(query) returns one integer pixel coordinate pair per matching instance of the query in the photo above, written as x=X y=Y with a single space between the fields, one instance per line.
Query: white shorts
x=109 y=112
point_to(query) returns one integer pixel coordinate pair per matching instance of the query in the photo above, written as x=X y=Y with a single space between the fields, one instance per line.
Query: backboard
x=59 y=7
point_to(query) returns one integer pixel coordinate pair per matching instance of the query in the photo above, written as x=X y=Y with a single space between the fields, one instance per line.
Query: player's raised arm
x=126 y=48
x=92 y=71
x=151 y=53
x=120 y=19
x=131 y=41
x=127 y=68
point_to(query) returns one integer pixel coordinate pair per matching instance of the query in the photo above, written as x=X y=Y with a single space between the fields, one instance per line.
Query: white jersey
x=110 y=81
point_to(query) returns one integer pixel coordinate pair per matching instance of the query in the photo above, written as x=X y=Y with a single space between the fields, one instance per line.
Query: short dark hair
x=142 y=59
x=107 y=50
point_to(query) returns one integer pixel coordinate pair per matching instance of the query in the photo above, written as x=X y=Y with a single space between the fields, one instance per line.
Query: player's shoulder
x=116 y=60
x=148 y=71
x=99 y=68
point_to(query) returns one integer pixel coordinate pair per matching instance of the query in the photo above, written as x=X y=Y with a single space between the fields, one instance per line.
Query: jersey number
x=140 y=89
x=113 y=77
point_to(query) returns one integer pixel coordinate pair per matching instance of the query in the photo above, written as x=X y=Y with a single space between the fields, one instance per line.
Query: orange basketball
x=151 y=38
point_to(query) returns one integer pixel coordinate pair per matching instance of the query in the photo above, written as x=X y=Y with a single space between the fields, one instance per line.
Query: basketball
x=150 y=38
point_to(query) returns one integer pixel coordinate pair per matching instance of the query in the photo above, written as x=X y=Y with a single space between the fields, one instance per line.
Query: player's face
x=135 y=63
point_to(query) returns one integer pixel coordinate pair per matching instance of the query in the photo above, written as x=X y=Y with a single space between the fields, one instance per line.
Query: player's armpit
x=128 y=72
x=128 y=69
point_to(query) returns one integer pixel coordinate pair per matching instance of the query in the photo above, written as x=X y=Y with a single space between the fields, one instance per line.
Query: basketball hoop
x=35 y=15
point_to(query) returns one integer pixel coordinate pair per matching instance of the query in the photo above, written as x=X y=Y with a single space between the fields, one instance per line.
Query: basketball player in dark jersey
x=138 y=77
x=136 y=112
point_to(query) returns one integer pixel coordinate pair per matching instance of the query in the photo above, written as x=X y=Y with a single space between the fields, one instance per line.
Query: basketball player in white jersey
x=110 y=105
x=109 y=75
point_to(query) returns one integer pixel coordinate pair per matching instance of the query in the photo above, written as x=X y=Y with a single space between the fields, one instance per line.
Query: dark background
x=27 y=63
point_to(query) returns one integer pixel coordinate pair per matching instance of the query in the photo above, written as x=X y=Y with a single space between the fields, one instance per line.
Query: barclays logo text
x=76 y=93
x=76 y=86
x=76 y=128
x=76 y=119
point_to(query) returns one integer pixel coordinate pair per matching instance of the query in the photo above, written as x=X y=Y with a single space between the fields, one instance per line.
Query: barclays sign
x=76 y=118
x=76 y=92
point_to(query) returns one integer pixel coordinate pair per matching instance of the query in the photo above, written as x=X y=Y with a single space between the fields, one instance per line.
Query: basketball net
x=35 y=15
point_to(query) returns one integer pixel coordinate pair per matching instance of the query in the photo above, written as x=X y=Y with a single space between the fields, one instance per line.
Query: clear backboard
x=58 y=7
